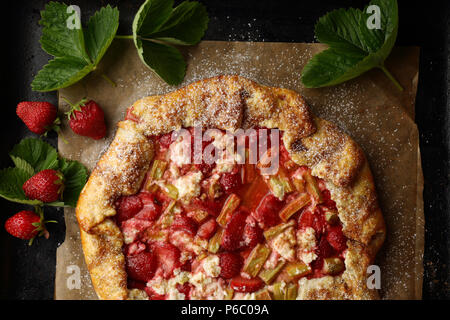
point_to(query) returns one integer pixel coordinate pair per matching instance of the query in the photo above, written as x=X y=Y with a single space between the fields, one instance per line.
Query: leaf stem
x=112 y=83
x=124 y=36
x=391 y=77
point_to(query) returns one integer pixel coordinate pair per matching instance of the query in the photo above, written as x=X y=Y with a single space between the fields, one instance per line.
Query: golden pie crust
x=229 y=103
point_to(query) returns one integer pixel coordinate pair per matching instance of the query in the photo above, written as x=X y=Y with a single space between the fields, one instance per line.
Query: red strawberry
x=230 y=264
x=184 y=223
x=168 y=257
x=312 y=217
x=252 y=235
x=151 y=209
x=46 y=186
x=141 y=267
x=324 y=249
x=232 y=238
x=241 y=284
x=336 y=238
x=152 y=295
x=87 y=119
x=39 y=117
x=267 y=212
x=26 y=225
x=207 y=229
x=230 y=181
x=127 y=207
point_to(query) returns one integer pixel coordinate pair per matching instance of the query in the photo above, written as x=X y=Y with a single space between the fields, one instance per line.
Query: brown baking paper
x=370 y=108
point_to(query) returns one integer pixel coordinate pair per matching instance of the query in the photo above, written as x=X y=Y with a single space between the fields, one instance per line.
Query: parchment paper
x=376 y=114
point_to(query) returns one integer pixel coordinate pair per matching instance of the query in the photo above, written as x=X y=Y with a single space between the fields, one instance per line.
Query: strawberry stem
x=391 y=77
x=112 y=83
x=124 y=36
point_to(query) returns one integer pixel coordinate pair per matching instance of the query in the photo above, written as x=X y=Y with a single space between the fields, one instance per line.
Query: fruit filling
x=228 y=230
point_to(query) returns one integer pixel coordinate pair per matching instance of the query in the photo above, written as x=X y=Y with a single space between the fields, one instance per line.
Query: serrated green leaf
x=353 y=47
x=150 y=16
x=60 y=73
x=37 y=153
x=163 y=59
x=22 y=164
x=75 y=177
x=11 y=182
x=186 y=26
x=100 y=32
x=58 y=39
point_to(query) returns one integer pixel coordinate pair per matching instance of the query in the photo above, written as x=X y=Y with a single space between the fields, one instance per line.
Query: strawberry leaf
x=75 y=177
x=38 y=154
x=11 y=182
x=77 y=52
x=353 y=47
x=151 y=15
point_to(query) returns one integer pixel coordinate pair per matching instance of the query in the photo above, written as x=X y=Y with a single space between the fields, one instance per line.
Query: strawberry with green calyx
x=46 y=186
x=40 y=117
x=86 y=118
x=27 y=225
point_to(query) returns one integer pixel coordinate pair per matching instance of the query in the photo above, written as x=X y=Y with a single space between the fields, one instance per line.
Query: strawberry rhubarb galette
x=227 y=189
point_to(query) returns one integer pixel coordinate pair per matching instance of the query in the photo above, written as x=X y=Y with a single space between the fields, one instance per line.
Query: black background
x=28 y=272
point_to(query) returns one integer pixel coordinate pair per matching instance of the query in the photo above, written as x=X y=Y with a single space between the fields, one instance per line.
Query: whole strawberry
x=46 y=186
x=39 y=117
x=26 y=225
x=87 y=119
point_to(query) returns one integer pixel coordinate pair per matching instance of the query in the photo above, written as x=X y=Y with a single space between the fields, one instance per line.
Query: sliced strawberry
x=205 y=168
x=312 y=217
x=168 y=257
x=241 y=284
x=232 y=238
x=184 y=289
x=127 y=207
x=336 y=238
x=166 y=140
x=230 y=264
x=252 y=235
x=230 y=181
x=210 y=206
x=184 y=223
x=267 y=212
x=132 y=228
x=141 y=267
x=207 y=229
x=150 y=207
x=324 y=250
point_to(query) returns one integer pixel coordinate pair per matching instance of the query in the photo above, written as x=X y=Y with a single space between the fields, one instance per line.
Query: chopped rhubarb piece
x=207 y=229
x=268 y=275
x=279 y=289
x=127 y=207
x=168 y=257
x=336 y=238
x=333 y=266
x=256 y=260
x=198 y=215
x=291 y=292
x=294 y=206
x=232 y=238
x=230 y=264
x=230 y=181
x=141 y=267
x=151 y=209
x=241 y=284
x=263 y=295
x=312 y=187
x=276 y=230
x=184 y=223
x=172 y=191
x=267 y=212
x=297 y=269
x=228 y=208
x=331 y=215
x=156 y=173
x=214 y=190
x=299 y=184
x=215 y=241
x=167 y=217
x=229 y=295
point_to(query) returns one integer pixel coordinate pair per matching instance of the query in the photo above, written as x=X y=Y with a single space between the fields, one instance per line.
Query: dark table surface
x=28 y=272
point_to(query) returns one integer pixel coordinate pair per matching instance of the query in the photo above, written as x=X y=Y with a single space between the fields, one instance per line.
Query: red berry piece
x=128 y=207
x=267 y=212
x=230 y=181
x=87 y=119
x=230 y=264
x=252 y=235
x=207 y=229
x=151 y=209
x=336 y=238
x=241 y=284
x=141 y=267
x=184 y=223
x=46 y=186
x=168 y=257
x=39 y=117
x=232 y=238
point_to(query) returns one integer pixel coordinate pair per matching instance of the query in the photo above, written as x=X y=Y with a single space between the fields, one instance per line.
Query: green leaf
x=11 y=182
x=163 y=59
x=75 y=177
x=22 y=164
x=150 y=16
x=186 y=25
x=76 y=52
x=100 y=32
x=156 y=24
x=60 y=73
x=57 y=38
x=38 y=154
x=353 y=47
